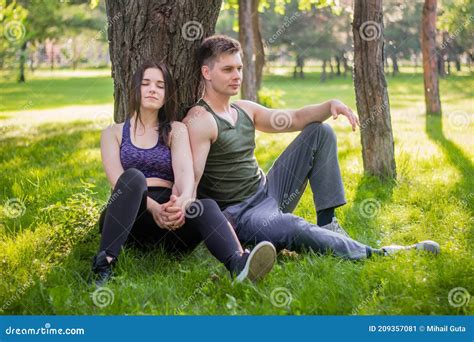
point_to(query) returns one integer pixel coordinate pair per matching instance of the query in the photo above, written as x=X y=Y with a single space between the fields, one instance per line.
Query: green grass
x=52 y=180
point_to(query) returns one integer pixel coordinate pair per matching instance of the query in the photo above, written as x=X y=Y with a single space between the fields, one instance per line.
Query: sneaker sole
x=260 y=262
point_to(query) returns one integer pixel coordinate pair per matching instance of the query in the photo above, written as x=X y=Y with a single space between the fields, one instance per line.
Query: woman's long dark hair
x=167 y=113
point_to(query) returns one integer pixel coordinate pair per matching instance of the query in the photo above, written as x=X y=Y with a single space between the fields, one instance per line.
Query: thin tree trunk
x=162 y=30
x=249 y=81
x=338 y=66
x=21 y=77
x=371 y=90
x=395 y=68
x=428 y=47
x=258 y=45
x=322 y=78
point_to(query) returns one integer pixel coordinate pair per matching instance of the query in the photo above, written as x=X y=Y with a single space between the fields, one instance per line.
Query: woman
x=148 y=162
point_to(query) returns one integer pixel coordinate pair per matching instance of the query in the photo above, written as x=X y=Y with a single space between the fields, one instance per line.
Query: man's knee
x=319 y=129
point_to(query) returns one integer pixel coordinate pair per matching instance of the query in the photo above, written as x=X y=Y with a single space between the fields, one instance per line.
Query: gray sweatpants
x=266 y=215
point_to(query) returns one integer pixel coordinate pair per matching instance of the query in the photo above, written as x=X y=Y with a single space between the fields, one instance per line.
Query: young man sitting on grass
x=260 y=206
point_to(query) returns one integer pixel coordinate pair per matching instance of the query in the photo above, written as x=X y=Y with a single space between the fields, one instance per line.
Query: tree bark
x=249 y=80
x=430 y=60
x=162 y=30
x=258 y=45
x=371 y=89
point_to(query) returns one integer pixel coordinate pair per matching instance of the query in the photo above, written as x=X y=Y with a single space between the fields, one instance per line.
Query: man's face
x=225 y=74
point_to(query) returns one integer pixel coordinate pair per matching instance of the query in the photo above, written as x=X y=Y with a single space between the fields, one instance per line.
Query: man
x=259 y=206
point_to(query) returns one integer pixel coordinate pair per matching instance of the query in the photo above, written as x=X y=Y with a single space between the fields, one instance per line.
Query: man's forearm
x=312 y=113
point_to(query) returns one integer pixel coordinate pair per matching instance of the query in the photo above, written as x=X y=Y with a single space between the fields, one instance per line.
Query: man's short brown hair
x=214 y=46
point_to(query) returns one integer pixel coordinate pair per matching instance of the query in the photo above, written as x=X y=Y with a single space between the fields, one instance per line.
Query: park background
x=57 y=94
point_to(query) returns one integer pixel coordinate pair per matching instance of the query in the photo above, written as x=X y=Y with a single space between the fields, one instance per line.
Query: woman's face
x=152 y=89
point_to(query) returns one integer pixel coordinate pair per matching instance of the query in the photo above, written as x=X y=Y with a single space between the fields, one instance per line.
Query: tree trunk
x=345 y=65
x=371 y=90
x=258 y=45
x=457 y=62
x=395 y=68
x=322 y=78
x=162 y=30
x=428 y=47
x=21 y=77
x=52 y=55
x=249 y=80
x=338 y=66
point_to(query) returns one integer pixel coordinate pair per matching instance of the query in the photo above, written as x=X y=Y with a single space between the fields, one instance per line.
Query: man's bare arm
x=290 y=120
x=202 y=130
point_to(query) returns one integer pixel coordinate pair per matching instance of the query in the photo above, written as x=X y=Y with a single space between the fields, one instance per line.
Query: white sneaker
x=259 y=262
x=427 y=245
x=335 y=227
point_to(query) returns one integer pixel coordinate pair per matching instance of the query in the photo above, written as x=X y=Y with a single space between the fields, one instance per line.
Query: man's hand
x=337 y=108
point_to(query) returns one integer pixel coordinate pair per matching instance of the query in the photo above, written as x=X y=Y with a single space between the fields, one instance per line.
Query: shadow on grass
x=465 y=188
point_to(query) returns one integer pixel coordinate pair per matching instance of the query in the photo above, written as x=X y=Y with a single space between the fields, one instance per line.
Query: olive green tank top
x=231 y=174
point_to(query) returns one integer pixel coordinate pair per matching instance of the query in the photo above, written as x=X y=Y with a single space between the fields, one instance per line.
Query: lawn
x=52 y=187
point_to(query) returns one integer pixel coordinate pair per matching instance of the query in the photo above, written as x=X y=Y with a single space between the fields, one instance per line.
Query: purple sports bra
x=153 y=162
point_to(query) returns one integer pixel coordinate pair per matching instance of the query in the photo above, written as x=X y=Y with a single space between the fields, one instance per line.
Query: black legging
x=127 y=216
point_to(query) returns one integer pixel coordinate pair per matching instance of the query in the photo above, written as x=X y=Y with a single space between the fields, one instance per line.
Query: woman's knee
x=132 y=179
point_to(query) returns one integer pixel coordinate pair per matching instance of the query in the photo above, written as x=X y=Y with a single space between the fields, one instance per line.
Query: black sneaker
x=102 y=268
x=257 y=264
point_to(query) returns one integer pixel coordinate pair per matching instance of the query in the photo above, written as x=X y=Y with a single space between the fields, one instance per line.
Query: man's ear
x=206 y=71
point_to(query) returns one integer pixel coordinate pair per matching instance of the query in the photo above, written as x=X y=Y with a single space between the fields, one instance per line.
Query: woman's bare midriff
x=159 y=182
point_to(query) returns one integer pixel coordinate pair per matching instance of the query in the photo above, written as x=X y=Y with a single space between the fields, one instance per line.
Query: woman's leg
x=126 y=204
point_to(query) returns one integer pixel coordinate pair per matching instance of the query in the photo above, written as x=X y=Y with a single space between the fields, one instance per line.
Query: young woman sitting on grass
x=148 y=162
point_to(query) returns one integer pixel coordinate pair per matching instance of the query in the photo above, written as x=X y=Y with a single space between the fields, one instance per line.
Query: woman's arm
x=110 y=151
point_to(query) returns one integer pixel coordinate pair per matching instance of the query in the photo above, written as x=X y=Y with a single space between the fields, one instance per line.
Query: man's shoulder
x=249 y=107
x=198 y=119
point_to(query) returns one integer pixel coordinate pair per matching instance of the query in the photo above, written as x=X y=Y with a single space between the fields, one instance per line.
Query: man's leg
x=311 y=156
x=266 y=222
